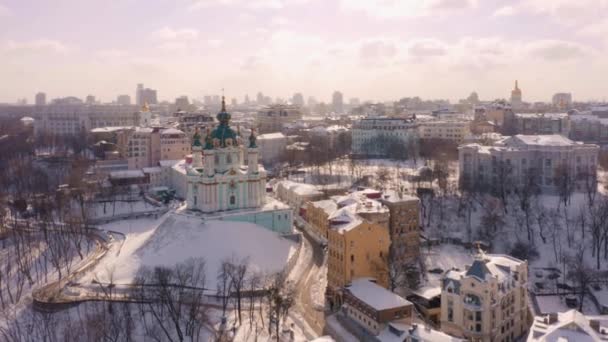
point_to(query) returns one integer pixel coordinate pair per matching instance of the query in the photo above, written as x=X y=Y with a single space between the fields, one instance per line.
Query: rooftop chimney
x=552 y=318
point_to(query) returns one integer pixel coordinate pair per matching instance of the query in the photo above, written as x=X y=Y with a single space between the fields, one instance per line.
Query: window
x=352 y=258
x=233 y=200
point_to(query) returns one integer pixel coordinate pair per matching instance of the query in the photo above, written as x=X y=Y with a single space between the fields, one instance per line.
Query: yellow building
x=488 y=301
x=317 y=215
x=357 y=248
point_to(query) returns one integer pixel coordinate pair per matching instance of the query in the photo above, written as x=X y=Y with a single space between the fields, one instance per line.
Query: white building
x=272 y=118
x=297 y=194
x=217 y=179
x=74 y=119
x=272 y=147
x=569 y=326
x=146 y=146
x=487 y=302
x=542 y=123
x=522 y=159
x=452 y=130
x=373 y=136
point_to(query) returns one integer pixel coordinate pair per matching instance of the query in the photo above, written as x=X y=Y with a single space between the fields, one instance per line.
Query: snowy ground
x=109 y=209
x=174 y=238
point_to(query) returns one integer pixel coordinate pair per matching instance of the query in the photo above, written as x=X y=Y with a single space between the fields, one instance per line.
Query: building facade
x=75 y=119
x=374 y=136
x=147 y=146
x=272 y=147
x=404 y=225
x=374 y=307
x=519 y=161
x=272 y=118
x=451 y=130
x=545 y=123
x=358 y=244
x=488 y=302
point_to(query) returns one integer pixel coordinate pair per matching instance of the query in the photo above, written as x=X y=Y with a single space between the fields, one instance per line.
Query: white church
x=217 y=179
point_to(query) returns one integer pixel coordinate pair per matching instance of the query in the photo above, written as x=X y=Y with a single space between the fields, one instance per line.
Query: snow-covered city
x=410 y=213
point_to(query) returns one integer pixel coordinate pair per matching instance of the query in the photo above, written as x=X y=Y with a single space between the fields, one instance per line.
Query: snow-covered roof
x=399 y=332
x=485 y=266
x=154 y=169
x=301 y=189
x=568 y=326
x=270 y=136
x=392 y=196
x=171 y=131
x=109 y=129
x=544 y=140
x=542 y=115
x=375 y=295
x=329 y=206
x=345 y=219
x=169 y=162
x=127 y=174
x=428 y=292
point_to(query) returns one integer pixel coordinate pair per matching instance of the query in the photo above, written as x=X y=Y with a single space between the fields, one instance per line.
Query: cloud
x=599 y=29
x=556 y=50
x=377 y=52
x=5 y=11
x=169 y=34
x=38 y=45
x=505 y=11
x=406 y=8
x=567 y=11
x=426 y=48
x=247 y=4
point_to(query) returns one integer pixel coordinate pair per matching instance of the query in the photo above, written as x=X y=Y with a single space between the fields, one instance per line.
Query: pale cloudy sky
x=383 y=49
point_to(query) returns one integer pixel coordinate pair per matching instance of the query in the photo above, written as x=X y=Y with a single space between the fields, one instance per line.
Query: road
x=315 y=259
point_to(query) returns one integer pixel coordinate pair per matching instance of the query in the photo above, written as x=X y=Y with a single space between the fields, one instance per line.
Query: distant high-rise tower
x=338 y=102
x=90 y=99
x=123 y=100
x=516 y=101
x=298 y=99
x=138 y=94
x=40 y=99
x=260 y=98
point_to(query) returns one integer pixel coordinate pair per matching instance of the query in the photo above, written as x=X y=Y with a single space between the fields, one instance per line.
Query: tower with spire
x=217 y=179
x=516 y=100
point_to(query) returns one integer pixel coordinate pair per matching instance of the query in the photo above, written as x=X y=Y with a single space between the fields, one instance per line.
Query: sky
x=376 y=50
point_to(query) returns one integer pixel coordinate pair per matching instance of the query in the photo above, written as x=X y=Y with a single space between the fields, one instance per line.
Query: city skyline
x=372 y=50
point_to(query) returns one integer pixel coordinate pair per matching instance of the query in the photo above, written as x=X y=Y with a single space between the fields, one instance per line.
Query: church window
x=195 y=200
x=232 y=200
x=217 y=159
x=228 y=158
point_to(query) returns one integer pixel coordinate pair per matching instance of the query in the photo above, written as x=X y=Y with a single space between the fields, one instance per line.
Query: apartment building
x=147 y=146
x=272 y=118
x=514 y=160
x=545 y=123
x=358 y=245
x=451 y=130
x=404 y=225
x=375 y=136
x=74 y=119
x=488 y=301
x=374 y=307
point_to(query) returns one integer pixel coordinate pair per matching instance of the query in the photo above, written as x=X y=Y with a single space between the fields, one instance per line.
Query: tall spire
x=516 y=85
x=223 y=103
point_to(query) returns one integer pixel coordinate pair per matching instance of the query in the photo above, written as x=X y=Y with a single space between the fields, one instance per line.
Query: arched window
x=229 y=159
x=232 y=200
